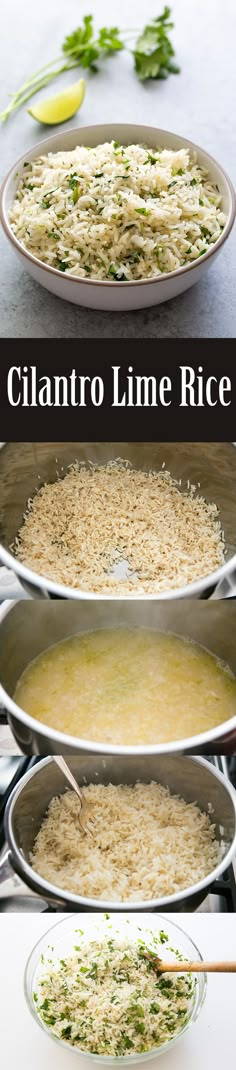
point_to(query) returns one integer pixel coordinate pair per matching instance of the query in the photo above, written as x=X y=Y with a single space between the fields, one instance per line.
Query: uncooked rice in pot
x=78 y=529
x=117 y=213
x=147 y=843
x=106 y=998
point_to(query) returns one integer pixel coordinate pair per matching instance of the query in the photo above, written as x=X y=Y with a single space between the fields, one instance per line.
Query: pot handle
x=226 y=588
x=10 y=883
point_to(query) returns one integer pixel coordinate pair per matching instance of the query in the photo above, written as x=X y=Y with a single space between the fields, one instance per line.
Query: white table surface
x=209 y=1044
x=199 y=103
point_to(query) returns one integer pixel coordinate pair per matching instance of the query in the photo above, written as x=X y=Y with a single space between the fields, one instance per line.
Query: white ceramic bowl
x=119 y=296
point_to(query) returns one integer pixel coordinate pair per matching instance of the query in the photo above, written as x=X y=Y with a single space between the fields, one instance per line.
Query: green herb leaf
x=73 y=181
x=83 y=46
x=52 y=234
x=109 y=40
x=67 y=1031
x=151 y=158
x=127 y=1043
x=61 y=266
x=153 y=51
x=115 y=274
x=142 y=211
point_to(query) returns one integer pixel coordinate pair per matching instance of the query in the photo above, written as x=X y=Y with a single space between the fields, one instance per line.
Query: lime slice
x=61 y=107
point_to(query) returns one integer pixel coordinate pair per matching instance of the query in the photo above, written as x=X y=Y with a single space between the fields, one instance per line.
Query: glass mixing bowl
x=59 y=941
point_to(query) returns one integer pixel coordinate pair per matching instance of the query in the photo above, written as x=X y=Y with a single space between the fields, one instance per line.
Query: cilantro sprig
x=84 y=47
x=152 y=53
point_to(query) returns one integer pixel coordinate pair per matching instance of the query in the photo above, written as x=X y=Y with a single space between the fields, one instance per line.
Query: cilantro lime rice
x=117 y=213
x=106 y=998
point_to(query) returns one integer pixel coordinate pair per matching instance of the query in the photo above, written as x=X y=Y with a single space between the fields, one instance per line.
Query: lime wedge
x=61 y=107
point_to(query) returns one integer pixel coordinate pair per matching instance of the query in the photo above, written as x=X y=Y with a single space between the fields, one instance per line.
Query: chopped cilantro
x=142 y=211
x=45 y=203
x=73 y=180
x=67 y=1031
x=127 y=1042
x=52 y=234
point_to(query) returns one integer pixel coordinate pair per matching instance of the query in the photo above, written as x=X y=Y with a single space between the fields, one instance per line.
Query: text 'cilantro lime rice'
x=78 y=529
x=115 y=212
x=106 y=998
x=176 y=848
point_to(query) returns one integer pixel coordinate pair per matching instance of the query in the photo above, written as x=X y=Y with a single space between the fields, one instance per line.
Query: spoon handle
x=195 y=967
x=60 y=761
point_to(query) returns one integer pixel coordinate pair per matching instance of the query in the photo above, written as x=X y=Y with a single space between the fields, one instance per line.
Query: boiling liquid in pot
x=128 y=687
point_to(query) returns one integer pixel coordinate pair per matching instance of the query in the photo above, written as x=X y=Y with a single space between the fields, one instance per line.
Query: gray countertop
x=198 y=103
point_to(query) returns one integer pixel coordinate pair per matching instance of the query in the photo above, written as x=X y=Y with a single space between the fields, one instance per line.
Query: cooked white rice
x=115 y=212
x=107 y=999
x=146 y=843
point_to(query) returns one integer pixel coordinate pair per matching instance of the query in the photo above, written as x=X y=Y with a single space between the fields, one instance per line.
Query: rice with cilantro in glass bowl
x=91 y=987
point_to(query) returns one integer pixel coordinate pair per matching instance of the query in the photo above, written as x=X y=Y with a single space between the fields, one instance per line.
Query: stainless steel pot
x=28 y=628
x=25 y=466
x=193 y=778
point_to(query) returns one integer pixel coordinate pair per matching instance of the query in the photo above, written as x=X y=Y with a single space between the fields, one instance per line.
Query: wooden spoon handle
x=195 y=967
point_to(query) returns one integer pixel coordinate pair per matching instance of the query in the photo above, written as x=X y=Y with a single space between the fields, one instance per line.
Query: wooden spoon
x=190 y=967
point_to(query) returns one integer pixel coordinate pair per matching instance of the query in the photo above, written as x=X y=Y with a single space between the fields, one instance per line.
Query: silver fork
x=86 y=818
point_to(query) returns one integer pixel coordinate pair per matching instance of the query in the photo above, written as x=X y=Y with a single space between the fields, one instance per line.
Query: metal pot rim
x=86 y=745
x=52 y=891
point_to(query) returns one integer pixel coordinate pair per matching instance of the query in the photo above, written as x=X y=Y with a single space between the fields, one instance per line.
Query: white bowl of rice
x=117 y=216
